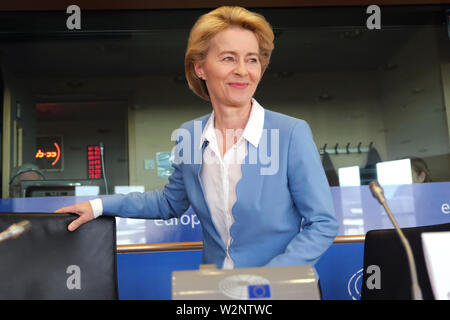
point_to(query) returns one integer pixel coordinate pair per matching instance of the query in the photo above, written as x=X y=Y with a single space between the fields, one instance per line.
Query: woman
x=252 y=213
x=419 y=170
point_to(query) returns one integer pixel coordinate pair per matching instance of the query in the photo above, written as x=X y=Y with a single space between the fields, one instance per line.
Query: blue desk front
x=149 y=250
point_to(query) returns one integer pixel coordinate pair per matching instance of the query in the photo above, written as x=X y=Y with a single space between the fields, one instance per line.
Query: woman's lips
x=238 y=85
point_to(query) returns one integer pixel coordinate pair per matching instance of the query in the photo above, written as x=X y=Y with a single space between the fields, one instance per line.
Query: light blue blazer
x=280 y=219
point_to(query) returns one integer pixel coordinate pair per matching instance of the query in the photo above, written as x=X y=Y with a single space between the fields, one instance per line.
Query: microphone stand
x=103 y=167
x=377 y=192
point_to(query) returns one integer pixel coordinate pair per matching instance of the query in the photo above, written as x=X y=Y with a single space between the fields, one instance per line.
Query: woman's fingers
x=69 y=209
x=83 y=209
x=75 y=224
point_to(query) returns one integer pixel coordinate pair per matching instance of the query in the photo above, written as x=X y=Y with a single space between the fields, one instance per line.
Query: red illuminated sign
x=50 y=154
x=94 y=162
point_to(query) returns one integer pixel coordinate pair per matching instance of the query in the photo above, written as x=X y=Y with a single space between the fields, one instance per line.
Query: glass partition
x=93 y=114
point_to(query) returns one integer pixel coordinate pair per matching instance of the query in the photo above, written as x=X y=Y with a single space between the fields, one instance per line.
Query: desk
x=149 y=250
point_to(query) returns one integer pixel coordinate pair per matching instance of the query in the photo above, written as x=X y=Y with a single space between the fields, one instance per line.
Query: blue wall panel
x=340 y=271
x=147 y=275
x=143 y=276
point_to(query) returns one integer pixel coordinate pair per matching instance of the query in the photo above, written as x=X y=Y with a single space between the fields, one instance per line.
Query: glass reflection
x=371 y=98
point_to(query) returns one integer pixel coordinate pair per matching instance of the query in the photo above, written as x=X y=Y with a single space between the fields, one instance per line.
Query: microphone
x=15 y=230
x=378 y=193
x=103 y=166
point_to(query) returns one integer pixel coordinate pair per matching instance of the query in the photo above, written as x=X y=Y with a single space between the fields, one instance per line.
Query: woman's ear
x=199 y=71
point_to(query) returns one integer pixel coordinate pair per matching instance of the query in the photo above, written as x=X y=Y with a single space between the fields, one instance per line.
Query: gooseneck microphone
x=102 y=156
x=378 y=193
x=15 y=230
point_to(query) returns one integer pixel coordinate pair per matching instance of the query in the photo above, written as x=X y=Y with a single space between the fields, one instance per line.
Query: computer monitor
x=58 y=188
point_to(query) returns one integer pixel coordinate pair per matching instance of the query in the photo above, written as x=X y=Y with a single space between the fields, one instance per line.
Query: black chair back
x=383 y=248
x=49 y=262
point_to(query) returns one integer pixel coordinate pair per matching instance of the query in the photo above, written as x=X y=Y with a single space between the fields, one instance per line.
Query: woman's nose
x=241 y=69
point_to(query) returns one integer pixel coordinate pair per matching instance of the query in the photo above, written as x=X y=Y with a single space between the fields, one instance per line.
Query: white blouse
x=220 y=175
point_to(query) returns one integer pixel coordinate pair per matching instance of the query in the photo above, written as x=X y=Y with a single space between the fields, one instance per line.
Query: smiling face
x=232 y=67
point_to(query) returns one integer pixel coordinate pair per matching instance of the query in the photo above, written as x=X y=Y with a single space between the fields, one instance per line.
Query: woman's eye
x=228 y=59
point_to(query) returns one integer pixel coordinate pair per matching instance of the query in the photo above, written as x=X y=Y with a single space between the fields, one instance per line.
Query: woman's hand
x=83 y=209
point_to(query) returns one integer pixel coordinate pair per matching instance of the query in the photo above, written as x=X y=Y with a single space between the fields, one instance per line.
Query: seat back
x=49 y=262
x=383 y=248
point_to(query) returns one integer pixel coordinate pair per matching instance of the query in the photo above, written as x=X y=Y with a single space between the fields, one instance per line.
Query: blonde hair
x=213 y=22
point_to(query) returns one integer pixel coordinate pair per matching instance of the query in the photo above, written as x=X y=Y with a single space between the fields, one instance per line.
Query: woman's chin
x=239 y=101
x=235 y=99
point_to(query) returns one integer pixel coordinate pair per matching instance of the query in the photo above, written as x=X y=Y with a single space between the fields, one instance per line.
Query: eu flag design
x=259 y=291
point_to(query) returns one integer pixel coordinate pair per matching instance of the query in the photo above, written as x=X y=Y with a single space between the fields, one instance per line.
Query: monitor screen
x=59 y=188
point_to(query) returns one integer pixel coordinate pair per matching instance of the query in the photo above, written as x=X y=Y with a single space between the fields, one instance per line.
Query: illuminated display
x=94 y=162
x=49 y=153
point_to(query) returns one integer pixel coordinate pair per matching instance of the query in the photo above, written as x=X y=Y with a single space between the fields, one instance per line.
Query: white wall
x=413 y=105
x=350 y=116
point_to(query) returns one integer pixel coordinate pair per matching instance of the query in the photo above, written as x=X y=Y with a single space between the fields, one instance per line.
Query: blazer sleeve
x=311 y=194
x=168 y=203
